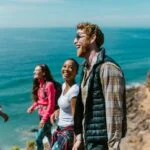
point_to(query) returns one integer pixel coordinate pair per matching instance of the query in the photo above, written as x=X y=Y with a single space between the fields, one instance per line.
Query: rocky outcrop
x=138 y=118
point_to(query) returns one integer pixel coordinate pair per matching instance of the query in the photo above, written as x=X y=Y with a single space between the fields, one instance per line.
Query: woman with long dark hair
x=43 y=93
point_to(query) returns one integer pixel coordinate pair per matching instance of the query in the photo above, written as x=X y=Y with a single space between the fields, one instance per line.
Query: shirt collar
x=99 y=56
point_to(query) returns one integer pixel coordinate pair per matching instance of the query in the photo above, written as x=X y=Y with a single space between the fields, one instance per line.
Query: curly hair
x=91 y=29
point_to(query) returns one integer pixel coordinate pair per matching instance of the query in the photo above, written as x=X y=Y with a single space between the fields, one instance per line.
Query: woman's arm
x=54 y=116
x=51 y=102
x=73 y=104
x=32 y=107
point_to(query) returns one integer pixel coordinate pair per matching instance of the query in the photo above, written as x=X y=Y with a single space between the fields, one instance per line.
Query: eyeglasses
x=79 y=36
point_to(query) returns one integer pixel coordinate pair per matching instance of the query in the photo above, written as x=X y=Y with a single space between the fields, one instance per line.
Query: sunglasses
x=79 y=36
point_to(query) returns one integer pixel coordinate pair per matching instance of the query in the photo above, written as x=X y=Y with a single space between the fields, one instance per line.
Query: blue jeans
x=45 y=131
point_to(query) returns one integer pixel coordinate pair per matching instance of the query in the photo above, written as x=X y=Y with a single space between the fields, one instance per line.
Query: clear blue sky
x=67 y=13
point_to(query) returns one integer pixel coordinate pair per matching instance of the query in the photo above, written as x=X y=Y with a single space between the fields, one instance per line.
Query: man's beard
x=83 y=50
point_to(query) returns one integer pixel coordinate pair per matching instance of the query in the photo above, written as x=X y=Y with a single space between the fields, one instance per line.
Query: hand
x=54 y=116
x=29 y=110
x=41 y=124
x=76 y=145
x=5 y=117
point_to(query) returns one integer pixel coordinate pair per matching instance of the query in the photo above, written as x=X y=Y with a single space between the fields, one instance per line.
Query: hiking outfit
x=45 y=105
x=99 y=106
x=63 y=137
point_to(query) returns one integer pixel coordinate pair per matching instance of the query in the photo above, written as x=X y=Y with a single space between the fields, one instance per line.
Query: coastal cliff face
x=138 y=118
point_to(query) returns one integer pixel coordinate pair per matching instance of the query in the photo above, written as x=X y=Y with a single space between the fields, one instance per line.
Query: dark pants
x=45 y=131
x=96 y=146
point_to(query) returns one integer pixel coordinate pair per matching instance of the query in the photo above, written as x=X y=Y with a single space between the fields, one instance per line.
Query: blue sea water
x=22 y=48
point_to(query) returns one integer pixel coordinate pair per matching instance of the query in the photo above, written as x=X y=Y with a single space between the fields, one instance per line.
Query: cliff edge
x=138 y=118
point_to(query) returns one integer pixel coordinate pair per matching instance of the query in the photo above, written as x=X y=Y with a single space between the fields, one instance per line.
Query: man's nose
x=75 y=41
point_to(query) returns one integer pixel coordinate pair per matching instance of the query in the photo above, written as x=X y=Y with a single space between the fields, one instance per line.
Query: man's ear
x=93 y=38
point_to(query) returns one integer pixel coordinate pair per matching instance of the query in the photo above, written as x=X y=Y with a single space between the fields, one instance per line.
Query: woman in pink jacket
x=43 y=92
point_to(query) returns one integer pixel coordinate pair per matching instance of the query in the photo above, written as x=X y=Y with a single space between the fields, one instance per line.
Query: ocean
x=21 y=49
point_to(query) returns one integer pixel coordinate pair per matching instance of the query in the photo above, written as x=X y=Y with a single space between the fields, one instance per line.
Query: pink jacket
x=45 y=105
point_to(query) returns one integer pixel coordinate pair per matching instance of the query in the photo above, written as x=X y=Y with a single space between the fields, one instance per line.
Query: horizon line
x=38 y=27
